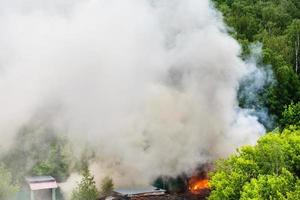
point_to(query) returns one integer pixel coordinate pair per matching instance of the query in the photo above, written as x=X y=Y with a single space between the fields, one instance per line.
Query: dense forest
x=268 y=170
x=275 y=24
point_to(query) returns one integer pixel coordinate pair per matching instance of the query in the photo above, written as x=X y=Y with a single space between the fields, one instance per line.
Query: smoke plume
x=253 y=86
x=150 y=85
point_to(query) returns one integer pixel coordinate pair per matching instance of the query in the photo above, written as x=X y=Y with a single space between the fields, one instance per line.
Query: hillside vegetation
x=270 y=169
x=275 y=24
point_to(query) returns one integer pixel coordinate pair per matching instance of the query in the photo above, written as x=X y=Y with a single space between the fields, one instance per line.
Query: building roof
x=139 y=191
x=37 y=179
x=166 y=196
x=41 y=182
x=156 y=197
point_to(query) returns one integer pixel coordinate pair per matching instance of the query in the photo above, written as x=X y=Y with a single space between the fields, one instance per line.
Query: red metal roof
x=43 y=185
x=41 y=182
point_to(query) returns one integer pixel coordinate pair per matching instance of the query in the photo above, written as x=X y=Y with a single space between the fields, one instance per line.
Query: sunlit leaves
x=268 y=170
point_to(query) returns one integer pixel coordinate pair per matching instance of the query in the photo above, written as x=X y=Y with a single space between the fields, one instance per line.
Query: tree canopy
x=275 y=24
x=107 y=186
x=86 y=189
x=7 y=187
x=268 y=170
x=291 y=116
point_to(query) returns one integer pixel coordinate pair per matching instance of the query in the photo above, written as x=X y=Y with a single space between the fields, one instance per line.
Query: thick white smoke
x=151 y=85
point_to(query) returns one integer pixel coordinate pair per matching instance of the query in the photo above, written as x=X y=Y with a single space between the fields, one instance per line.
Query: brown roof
x=171 y=197
x=154 y=197
x=41 y=182
x=185 y=196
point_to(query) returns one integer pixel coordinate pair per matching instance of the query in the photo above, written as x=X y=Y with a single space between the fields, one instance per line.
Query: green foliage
x=269 y=170
x=107 y=186
x=269 y=187
x=86 y=189
x=7 y=188
x=55 y=164
x=40 y=151
x=290 y=116
x=276 y=24
x=294 y=194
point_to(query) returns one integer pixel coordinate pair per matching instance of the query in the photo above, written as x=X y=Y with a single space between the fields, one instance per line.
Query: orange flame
x=196 y=186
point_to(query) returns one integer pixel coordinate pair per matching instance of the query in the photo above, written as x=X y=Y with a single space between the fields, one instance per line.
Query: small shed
x=45 y=184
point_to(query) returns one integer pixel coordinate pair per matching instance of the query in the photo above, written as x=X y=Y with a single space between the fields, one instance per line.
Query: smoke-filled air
x=150 y=86
x=143 y=82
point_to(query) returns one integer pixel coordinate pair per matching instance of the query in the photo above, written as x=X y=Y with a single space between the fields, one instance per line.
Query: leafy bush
x=86 y=189
x=40 y=151
x=291 y=116
x=107 y=186
x=7 y=188
x=269 y=170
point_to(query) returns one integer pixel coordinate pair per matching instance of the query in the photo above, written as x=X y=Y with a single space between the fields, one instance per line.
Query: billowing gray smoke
x=151 y=85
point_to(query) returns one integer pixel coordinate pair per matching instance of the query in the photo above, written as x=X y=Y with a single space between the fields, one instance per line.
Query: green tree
x=40 y=151
x=268 y=170
x=275 y=24
x=294 y=194
x=7 y=188
x=290 y=116
x=107 y=186
x=269 y=187
x=293 y=37
x=56 y=164
x=86 y=189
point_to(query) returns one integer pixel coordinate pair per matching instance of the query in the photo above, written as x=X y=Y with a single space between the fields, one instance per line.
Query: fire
x=198 y=185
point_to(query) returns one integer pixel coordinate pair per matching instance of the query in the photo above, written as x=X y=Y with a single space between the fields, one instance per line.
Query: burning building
x=139 y=191
x=136 y=193
x=160 y=88
x=188 y=187
x=198 y=183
